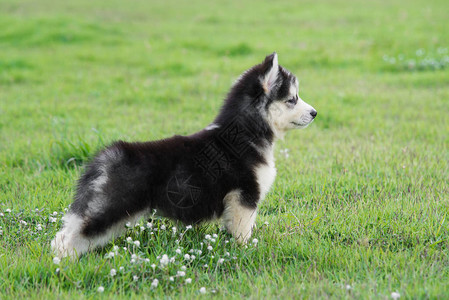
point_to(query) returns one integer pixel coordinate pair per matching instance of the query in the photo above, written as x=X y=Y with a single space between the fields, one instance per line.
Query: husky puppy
x=223 y=171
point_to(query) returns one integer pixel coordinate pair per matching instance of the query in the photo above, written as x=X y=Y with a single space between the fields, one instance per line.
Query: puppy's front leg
x=238 y=217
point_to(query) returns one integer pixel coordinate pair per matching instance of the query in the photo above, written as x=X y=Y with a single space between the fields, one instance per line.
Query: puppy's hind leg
x=82 y=234
x=106 y=199
x=69 y=241
x=238 y=218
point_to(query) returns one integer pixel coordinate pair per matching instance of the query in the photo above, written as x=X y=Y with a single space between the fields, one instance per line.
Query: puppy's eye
x=291 y=101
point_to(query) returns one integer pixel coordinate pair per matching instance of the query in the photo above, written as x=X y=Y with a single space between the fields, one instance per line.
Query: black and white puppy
x=224 y=170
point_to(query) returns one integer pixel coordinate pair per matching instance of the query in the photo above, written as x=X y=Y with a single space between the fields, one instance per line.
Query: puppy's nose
x=313 y=113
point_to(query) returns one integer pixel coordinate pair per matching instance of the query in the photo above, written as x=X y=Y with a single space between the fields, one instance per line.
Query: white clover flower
x=133 y=261
x=135 y=277
x=199 y=252
x=109 y=255
x=153 y=266
x=255 y=241
x=285 y=152
x=129 y=239
x=125 y=248
x=113 y=272
x=227 y=241
x=128 y=224
x=134 y=256
x=154 y=283
x=163 y=227
x=178 y=251
x=191 y=250
x=56 y=260
x=8 y=210
x=2 y=214
x=100 y=289
x=149 y=225
x=147 y=260
x=174 y=229
x=23 y=222
x=203 y=290
x=142 y=228
x=214 y=235
x=115 y=248
x=206 y=266
x=172 y=259
x=395 y=295
x=55 y=214
x=39 y=227
x=164 y=260
x=220 y=261
x=227 y=254
x=266 y=223
x=192 y=257
x=137 y=243
x=172 y=278
x=121 y=269
x=52 y=220
x=189 y=227
x=181 y=273
x=209 y=248
x=189 y=280
x=207 y=237
x=187 y=256
x=57 y=271
x=183 y=268
x=212 y=240
x=348 y=287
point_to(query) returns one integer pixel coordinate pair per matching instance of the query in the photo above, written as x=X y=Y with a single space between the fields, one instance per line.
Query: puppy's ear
x=270 y=71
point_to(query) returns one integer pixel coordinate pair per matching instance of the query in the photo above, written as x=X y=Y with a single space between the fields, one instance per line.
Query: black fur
x=185 y=177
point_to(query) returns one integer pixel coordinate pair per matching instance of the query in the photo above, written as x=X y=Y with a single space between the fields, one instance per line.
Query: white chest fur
x=266 y=173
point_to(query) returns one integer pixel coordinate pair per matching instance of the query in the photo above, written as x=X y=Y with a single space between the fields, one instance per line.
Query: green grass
x=361 y=200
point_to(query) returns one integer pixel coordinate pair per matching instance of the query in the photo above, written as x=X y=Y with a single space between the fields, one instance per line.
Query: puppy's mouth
x=301 y=125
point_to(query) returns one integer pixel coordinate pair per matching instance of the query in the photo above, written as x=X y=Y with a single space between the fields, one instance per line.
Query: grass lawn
x=360 y=205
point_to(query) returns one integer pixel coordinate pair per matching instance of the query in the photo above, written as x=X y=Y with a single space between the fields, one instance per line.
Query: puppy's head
x=285 y=110
x=267 y=97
